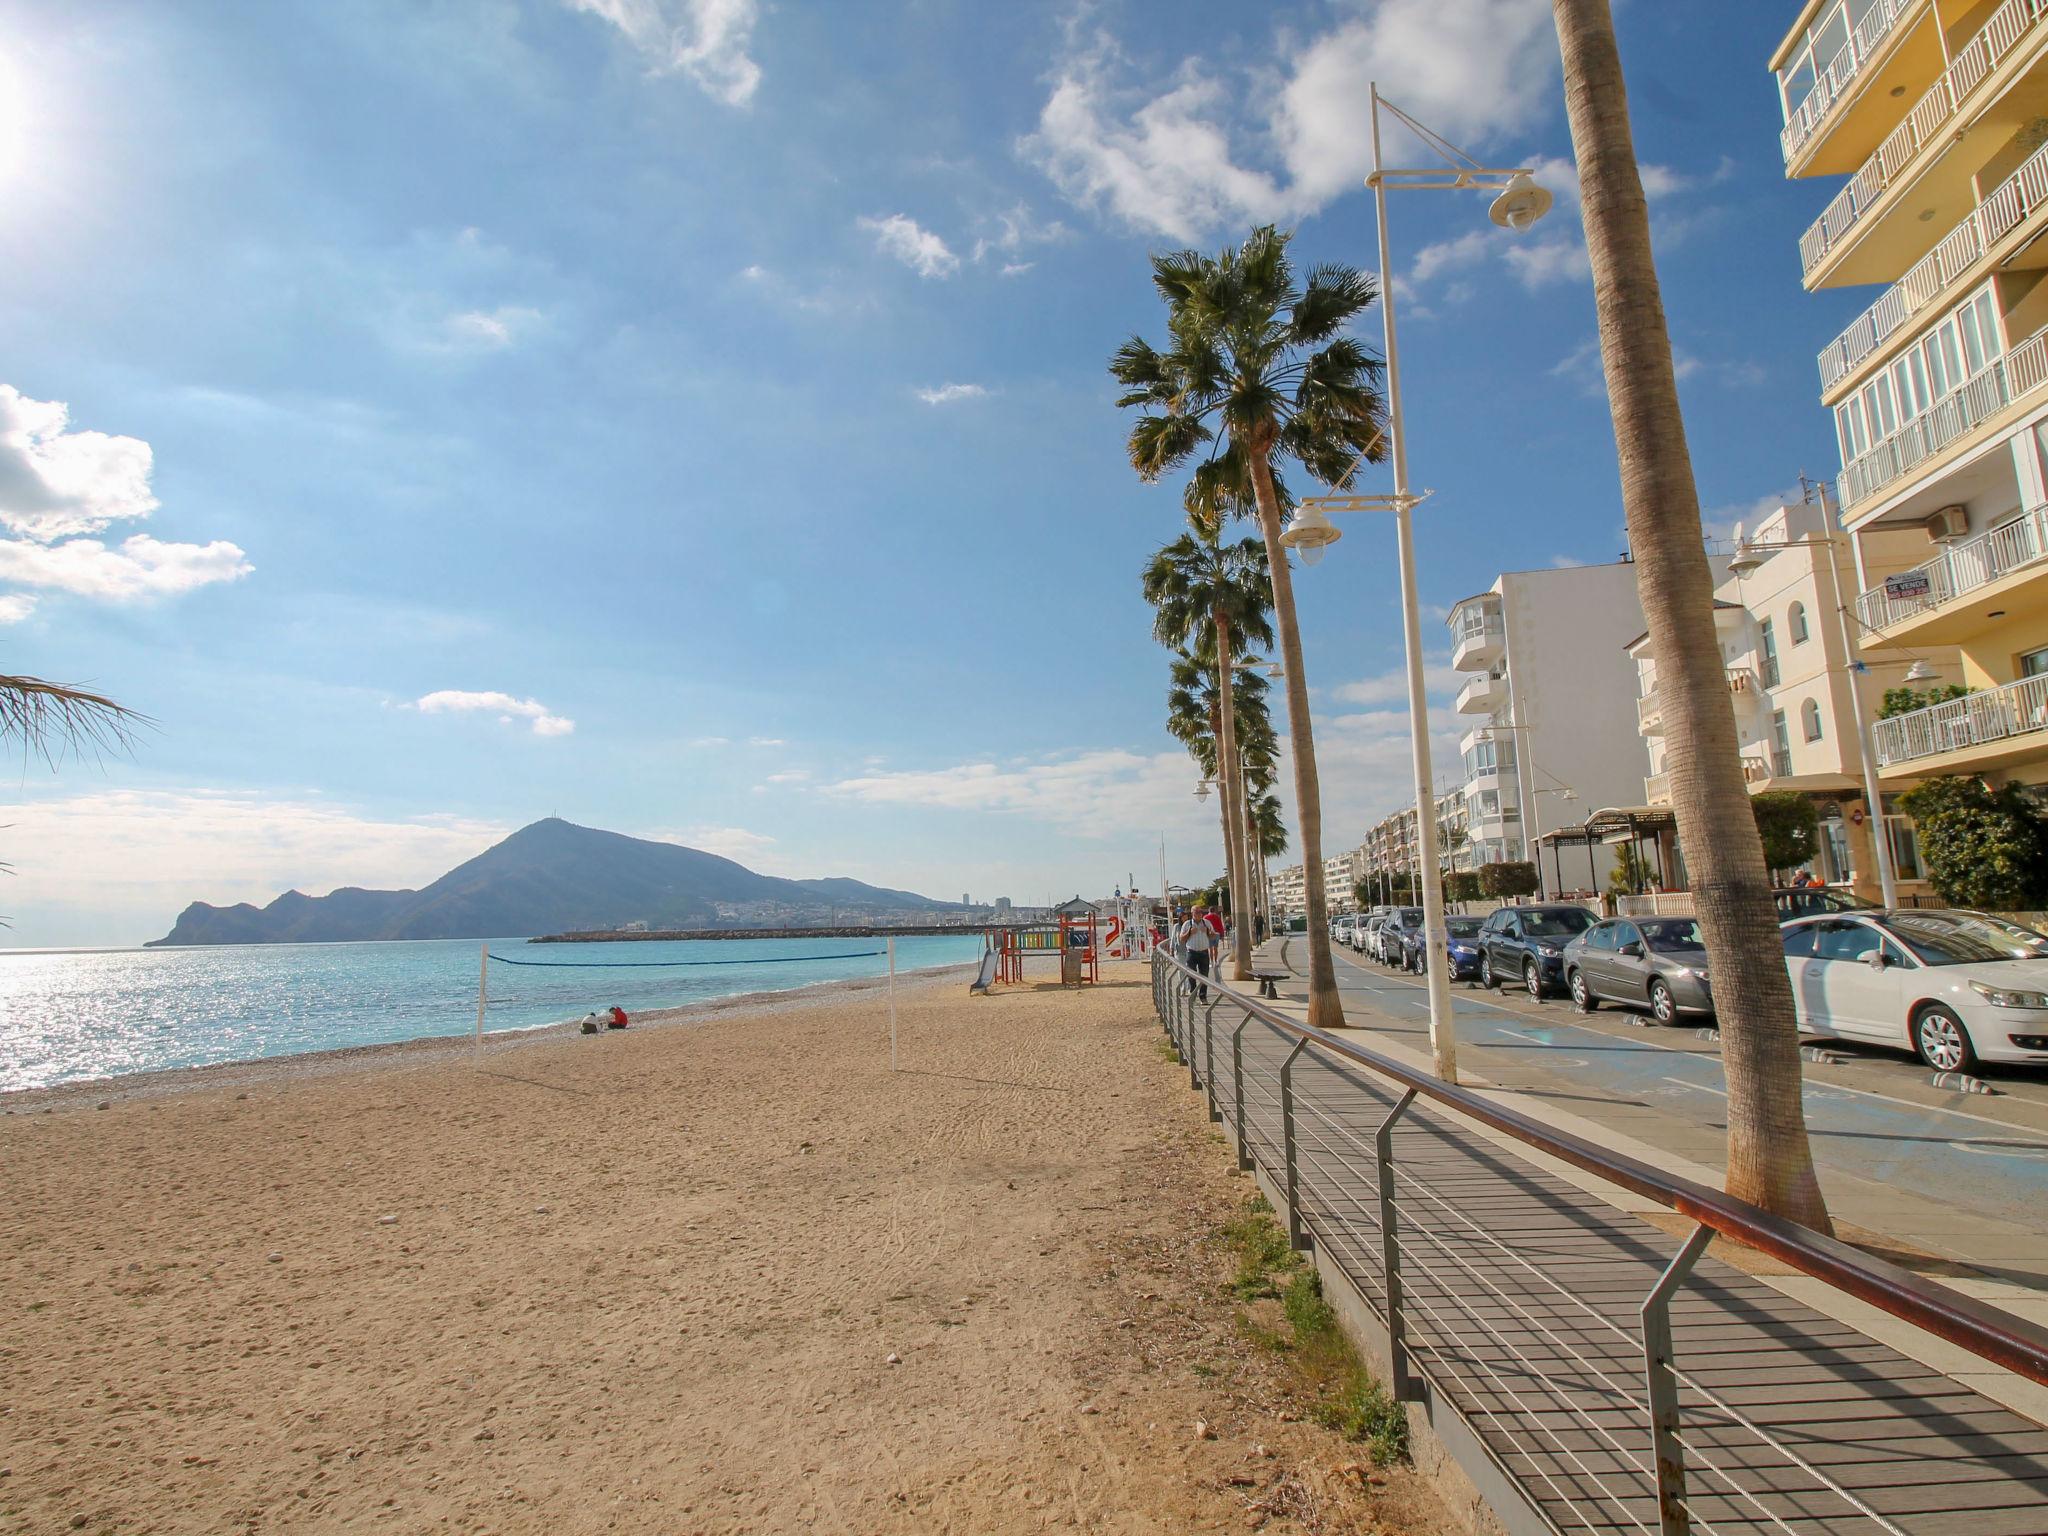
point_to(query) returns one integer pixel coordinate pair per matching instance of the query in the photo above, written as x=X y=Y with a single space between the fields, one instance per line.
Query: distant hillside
x=551 y=877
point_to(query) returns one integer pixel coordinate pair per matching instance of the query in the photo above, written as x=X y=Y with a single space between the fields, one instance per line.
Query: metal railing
x=1967 y=69
x=1991 y=714
x=1959 y=412
x=1615 y=1427
x=1962 y=568
x=1832 y=79
x=2020 y=194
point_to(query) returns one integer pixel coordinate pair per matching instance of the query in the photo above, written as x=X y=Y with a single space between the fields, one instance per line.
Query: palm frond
x=54 y=718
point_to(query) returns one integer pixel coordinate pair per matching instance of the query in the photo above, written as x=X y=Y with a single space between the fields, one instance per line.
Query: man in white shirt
x=1198 y=939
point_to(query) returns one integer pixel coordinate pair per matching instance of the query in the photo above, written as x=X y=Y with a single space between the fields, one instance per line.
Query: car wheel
x=1486 y=976
x=1532 y=979
x=1582 y=995
x=1663 y=1006
x=1942 y=1042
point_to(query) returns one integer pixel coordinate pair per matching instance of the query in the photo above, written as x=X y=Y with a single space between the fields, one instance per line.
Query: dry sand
x=652 y=1281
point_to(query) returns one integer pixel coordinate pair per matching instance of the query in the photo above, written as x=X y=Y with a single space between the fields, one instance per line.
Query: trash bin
x=1070 y=967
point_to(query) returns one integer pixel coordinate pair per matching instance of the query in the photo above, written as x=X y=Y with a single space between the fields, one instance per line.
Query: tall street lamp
x=1518 y=203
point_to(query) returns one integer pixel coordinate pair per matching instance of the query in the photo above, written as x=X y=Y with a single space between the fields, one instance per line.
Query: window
x=1955 y=349
x=1767 y=648
x=1845 y=941
x=1799 y=942
x=1668 y=935
x=1809 y=719
x=1625 y=934
x=1601 y=937
x=1796 y=622
x=1821 y=46
x=1780 y=737
x=2034 y=663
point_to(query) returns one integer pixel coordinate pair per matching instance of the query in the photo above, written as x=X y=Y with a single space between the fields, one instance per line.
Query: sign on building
x=1908 y=584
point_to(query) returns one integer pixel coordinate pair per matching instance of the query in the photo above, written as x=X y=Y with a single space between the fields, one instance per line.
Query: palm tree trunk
x=1769 y=1160
x=1325 y=1008
x=1231 y=772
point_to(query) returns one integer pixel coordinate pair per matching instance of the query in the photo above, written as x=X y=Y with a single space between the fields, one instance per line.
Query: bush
x=1462 y=885
x=1983 y=847
x=1504 y=880
x=1903 y=701
x=1631 y=872
x=1789 y=826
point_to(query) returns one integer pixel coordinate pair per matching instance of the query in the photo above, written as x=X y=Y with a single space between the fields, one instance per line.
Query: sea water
x=67 y=1016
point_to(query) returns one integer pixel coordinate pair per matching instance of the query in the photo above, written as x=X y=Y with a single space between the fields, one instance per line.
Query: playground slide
x=986 y=976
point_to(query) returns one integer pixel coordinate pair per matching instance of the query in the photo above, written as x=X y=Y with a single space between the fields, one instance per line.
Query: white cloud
x=140 y=567
x=753 y=849
x=490 y=330
x=789 y=776
x=909 y=242
x=946 y=394
x=766 y=741
x=55 y=482
x=506 y=707
x=1017 y=268
x=117 y=866
x=705 y=40
x=1439 y=681
x=1099 y=793
x=711 y=741
x=1016 y=229
x=15 y=607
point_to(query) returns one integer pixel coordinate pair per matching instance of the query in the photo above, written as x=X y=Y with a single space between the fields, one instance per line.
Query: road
x=1959 y=1175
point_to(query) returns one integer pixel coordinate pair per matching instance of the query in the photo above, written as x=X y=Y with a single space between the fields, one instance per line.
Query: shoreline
x=431 y=1050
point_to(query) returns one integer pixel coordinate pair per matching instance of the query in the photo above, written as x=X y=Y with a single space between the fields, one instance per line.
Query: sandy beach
x=654 y=1281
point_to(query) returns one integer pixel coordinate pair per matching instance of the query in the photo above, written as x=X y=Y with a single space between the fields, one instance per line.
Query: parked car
x=1527 y=943
x=1340 y=929
x=1461 y=942
x=1654 y=962
x=1814 y=900
x=1932 y=981
x=2026 y=943
x=1394 y=933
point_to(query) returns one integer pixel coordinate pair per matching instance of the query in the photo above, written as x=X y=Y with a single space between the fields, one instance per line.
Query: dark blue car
x=1462 y=943
x=1526 y=945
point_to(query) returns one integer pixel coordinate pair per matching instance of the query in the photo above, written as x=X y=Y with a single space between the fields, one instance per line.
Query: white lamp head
x=1310 y=533
x=1920 y=672
x=1202 y=790
x=1521 y=203
x=1745 y=559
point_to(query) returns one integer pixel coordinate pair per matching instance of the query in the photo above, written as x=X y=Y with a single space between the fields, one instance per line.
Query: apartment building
x=1390 y=847
x=1936 y=112
x=1290 y=890
x=1790 y=659
x=1549 y=704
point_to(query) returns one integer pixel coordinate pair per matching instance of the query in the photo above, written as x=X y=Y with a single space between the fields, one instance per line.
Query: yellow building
x=1937 y=113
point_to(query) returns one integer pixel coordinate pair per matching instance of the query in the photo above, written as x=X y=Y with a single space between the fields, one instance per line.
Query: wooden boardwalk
x=1522 y=1297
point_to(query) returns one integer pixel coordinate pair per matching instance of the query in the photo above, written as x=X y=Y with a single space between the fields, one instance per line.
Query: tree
x=1770 y=1161
x=1194 y=718
x=1631 y=872
x=1509 y=878
x=1903 y=701
x=1257 y=370
x=1788 y=826
x=1463 y=885
x=1214 y=595
x=1984 y=847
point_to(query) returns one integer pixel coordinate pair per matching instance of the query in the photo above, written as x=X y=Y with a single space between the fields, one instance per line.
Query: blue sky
x=689 y=416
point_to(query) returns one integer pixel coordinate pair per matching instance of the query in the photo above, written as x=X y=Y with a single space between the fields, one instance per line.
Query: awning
x=1615 y=824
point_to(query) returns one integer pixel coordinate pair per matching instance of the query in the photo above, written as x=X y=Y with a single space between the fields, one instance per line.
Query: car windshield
x=1666 y=934
x=1555 y=922
x=1950 y=938
x=1463 y=927
x=1411 y=917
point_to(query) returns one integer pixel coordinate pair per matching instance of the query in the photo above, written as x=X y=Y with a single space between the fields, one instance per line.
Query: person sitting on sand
x=590 y=1024
x=617 y=1020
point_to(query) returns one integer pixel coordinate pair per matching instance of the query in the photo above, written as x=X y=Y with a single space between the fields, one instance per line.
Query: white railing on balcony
x=1480 y=695
x=1962 y=568
x=1994 y=714
x=1942 y=101
x=1657 y=789
x=1832 y=80
x=1936 y=272
x=1649 y=713
x=2009 y=378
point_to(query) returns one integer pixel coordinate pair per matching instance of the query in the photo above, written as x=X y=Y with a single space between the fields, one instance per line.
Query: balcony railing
x=1983 y=227
x=1650 y=714
x=1832 y=80
x=1966 y=71
x=1657 y=788
x=2009 y=378
x=1994 y=714
x=1962 y=568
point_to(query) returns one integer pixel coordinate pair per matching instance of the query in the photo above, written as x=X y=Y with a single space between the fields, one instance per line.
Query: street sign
x=1908 y=584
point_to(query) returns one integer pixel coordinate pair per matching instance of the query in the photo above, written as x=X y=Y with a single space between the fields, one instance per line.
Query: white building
x=1549 y=704
x=1290 y=890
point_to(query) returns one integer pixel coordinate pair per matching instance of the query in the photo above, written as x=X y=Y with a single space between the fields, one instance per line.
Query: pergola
x=1616 y=824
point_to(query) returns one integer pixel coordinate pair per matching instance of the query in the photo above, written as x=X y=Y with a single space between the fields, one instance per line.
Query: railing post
x=1193 y=1059
x=1390 y=1256
x=1209 y=1058
x=1244 y=1156
x=1661 y=1378
x=1297 y=1235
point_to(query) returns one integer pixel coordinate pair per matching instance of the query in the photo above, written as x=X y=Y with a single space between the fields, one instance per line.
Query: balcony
x=1957 y=572
x=1988 y=729
x=1951 y=418
x=1760 y=768
x=1940 y=270
x=1478 y=638
x=1833 y=79
x=1650 y=714
x=1482 y=695
x=1657 y=789
x=1928 y=123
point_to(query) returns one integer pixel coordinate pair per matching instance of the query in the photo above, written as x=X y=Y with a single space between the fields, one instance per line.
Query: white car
x=1946 y=985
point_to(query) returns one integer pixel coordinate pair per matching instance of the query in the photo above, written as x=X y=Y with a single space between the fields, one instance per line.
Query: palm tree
x=1769 y=1160
x=1257 y=371
x=1194 y=717
x=1212 y=595
x=1269 y=832
x=50 y=718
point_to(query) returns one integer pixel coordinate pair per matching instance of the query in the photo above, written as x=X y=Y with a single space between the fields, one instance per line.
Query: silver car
x=1654 y=962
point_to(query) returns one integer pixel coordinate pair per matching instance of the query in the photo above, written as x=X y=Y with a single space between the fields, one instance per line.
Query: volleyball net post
x=892 y=1003
x=483 y=992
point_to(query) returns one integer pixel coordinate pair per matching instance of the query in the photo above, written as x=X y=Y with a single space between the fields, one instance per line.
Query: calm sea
x=68 y=1016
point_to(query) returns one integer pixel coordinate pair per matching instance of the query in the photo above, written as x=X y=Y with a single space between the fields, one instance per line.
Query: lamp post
x=1519 y=202
x=1746 y=560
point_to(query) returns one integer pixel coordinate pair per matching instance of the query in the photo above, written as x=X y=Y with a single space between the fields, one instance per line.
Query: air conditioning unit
x=1949 y=524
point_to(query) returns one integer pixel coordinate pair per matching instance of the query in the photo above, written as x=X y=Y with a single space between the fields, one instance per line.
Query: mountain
x=551 y=877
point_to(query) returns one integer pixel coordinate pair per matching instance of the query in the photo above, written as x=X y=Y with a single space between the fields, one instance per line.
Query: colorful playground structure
x=1075 y=941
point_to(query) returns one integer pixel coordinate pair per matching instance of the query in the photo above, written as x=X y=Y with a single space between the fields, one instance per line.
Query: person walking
x=1198 y=938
